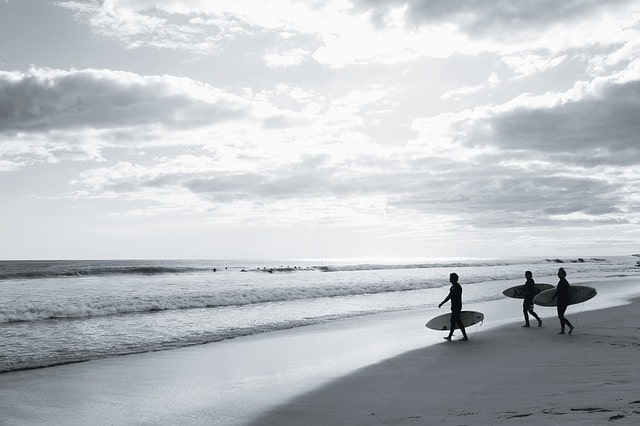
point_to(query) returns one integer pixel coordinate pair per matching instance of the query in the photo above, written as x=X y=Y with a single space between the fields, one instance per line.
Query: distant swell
x=381 y=267
x=477 y=264
x=85 y=272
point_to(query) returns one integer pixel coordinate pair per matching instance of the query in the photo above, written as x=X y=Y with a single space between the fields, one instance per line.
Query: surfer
x=562 y=293
x=455 y=295
x=530 y=291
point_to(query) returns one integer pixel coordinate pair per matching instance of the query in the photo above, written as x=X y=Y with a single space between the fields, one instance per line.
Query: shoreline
x=255 y=377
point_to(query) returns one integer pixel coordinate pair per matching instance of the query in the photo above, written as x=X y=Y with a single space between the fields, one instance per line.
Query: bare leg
x=563 y=321
x=452 y=328
x=525 y=311
x=535 y=316
x=458 y=319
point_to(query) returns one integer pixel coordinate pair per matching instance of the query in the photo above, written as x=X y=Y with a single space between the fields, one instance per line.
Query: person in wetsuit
x=562 y=293
x=455 y=295
x=530 y=291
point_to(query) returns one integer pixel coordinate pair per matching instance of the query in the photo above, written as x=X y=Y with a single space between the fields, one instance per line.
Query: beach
x=505 y=376
x=382 y=369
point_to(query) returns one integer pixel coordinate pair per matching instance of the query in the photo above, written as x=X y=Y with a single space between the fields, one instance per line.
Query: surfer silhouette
x=562 y=293
x=455 y=295
x=530 y=291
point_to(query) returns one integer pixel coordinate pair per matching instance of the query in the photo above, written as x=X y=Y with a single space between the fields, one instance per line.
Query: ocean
x=57 y=312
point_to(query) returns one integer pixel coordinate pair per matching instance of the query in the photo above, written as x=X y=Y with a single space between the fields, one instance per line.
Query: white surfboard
x=577 y=294
x=517 y=292
x=443 y=322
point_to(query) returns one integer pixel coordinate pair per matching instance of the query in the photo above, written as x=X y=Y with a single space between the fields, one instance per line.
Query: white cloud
x=137 y=26
x=492 y=81
x=23 y=150
x=289 y=58
x=526 y=64
x=462 y=91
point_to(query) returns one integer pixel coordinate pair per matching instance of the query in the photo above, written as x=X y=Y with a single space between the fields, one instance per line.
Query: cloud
x=462 y=91
x=593 y=123
x=506 y=197
x=526 y=64
x=506 y=28
x=567 y=158
x=489 y=19
x=311 y=176
x=49 y=115
x=45 y=99
x=283 y=59
x=148 y=25
x=498 y=192
x=340 y=33
x=599 y=128
x=23 y=150
x=304 y=191
x=526 y=163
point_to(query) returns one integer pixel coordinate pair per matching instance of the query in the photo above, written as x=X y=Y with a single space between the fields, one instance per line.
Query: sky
x=306 y=129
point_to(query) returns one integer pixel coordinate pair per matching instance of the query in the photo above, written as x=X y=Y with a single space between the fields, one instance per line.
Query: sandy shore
x=384 y=369
x=508 y=375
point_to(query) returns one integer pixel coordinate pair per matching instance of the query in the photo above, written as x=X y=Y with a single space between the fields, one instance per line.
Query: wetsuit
x=562 y=293
x=455 y=295
x=530 y=291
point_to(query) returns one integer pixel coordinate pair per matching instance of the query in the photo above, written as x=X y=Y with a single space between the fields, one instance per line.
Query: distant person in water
x=530 y=291
x=562 y=293
x=455 y=295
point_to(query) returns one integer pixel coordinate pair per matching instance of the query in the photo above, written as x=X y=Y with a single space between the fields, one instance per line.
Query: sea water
x=55 y=312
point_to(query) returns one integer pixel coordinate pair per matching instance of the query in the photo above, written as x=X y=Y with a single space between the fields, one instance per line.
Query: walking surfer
x=530 y=291
x=562 y=293
x=455 y=295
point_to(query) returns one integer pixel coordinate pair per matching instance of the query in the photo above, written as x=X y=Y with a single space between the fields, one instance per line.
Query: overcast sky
x=319 y=129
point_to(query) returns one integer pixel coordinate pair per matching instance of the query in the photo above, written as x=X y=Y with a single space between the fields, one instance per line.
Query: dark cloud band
x=42 y=100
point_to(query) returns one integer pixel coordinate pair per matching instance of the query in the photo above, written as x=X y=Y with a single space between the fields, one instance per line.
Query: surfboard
x=577 y=294
x=517 y=292
x=443 y=322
